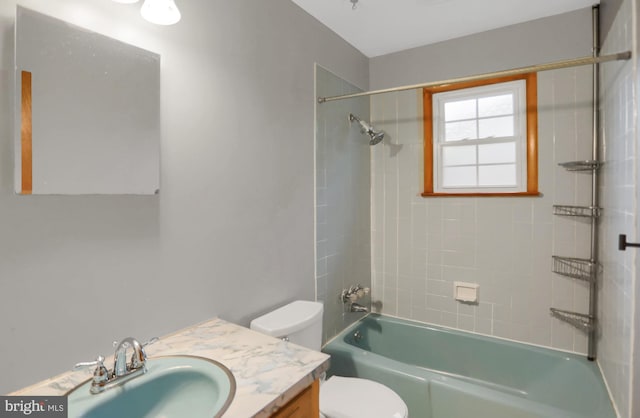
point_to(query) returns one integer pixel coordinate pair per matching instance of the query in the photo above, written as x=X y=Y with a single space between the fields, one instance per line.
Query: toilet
x=300 y=322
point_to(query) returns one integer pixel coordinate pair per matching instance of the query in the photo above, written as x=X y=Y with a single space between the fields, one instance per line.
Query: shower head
x=376 y=136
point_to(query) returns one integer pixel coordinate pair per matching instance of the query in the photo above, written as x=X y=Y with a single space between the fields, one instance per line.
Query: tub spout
x=356 y=307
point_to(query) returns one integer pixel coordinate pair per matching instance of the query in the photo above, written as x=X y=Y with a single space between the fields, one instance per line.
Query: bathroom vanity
x=274 y=378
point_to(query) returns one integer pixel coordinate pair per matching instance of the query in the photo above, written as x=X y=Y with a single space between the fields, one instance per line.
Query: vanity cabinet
x=305 y=405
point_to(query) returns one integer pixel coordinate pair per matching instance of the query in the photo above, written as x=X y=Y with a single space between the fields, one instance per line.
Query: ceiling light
x=126 y=1
x=160 y=12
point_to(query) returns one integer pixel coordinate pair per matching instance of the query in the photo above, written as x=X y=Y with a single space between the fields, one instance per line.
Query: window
x=481 y=138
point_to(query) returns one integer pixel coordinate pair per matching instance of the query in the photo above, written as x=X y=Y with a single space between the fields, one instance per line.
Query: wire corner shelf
x=582 y=211
x=585 y=165
x=577 y=268
x=583 y=322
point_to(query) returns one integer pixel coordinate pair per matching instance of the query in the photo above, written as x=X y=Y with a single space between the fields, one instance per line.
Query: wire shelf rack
x=578 y=268
x=581 y=321
x=583 y=211
x=586 y=165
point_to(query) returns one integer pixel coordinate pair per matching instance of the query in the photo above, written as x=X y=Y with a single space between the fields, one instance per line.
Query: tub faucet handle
x=356 y=307
x=353 y=293
x=362 y=291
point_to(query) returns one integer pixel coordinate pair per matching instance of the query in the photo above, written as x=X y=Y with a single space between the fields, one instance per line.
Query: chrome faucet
x=138 y=358
x=104 y=379
x=353 y=293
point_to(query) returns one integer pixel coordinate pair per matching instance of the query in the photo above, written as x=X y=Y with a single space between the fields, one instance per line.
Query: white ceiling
x=378 y=27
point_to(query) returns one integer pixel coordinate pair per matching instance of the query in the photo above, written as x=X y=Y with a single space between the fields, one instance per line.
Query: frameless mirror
x=87 y=111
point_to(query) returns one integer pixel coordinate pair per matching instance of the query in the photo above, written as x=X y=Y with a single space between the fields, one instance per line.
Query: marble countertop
x=268 y=372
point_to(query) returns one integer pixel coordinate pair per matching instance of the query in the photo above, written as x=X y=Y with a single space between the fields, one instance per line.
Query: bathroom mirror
x=87 y=111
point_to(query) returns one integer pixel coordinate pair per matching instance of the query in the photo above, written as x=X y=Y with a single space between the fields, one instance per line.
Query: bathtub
x=443 y=373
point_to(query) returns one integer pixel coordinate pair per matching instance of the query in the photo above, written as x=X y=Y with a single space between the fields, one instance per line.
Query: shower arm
x=353 y=118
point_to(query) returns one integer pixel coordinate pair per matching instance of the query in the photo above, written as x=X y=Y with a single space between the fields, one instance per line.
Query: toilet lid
x=349 y=397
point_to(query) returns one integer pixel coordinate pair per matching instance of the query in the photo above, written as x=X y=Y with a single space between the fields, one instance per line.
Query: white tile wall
x=343 y=243
x=422 y=245
x=618 y=191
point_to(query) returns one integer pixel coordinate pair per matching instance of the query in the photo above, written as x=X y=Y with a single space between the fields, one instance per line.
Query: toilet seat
x=350 y=397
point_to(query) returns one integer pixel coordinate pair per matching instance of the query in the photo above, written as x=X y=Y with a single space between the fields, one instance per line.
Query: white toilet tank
x=300 y=322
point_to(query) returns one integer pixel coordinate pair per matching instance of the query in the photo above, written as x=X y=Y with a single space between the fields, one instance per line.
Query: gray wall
x=422 y=245
x=232 y=232
x=543 y=40
x=343 y=201
x=609 y=9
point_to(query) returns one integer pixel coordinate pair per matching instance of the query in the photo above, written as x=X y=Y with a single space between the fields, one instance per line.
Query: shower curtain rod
x=575 y=62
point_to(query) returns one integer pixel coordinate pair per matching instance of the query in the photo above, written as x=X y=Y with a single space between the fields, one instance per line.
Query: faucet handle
x=100 y=374
x=99 y=361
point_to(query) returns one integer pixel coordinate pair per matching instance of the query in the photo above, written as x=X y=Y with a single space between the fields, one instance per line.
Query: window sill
x=516 y=194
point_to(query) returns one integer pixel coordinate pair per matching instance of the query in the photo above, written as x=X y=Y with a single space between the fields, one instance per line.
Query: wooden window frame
x=531 y=135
